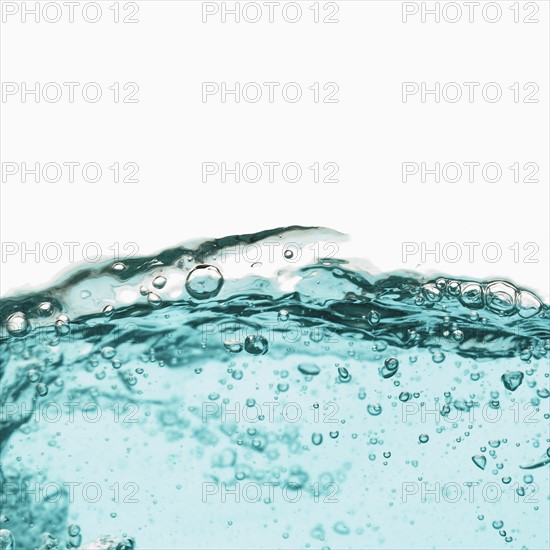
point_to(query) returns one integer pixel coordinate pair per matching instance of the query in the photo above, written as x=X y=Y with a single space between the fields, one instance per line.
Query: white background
x=369 y=133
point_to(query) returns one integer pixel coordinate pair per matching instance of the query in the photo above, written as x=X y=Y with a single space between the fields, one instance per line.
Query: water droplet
x=480 y=461
x=203 y=282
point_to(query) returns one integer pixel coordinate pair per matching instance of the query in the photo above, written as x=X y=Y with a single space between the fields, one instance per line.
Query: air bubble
x=17 y=324
x=512 y=380
x=7 y=541
x=310 y=369
x=283 y=315
x=472 y=295
x=500 y=297
x=62 y=325
x=154 y=299
x=256 y=345
x=374 y=410
x=317 y=438
x=233 y=347
x=45 y=309
x=203 y=282
x=480 y=461
x=159 y=282
x=108 y=352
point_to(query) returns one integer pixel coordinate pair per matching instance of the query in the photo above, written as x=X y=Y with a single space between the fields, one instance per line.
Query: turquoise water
x=261 y=391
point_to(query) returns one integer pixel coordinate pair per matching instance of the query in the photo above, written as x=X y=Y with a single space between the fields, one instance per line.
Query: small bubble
x=310 y=369
x=374 y=410
x=45 y=309
x=62 y=325
x=391 y=365
x=73 y=530
x=341 y=528
x=108 y=352
x=154 y=299
x=317 y=438
x=288 y=254
x=108 y=310
x=438 y=357
x=17 y=324
x=373 y=317
x=159 y=282
x=233 y=347
x=283 y=315
x=256 y=345
x=33 y=375
x=512 y=380
x=343 y=374
x=423 y=438
x=7 y=541
x=203 y=282
x=458 y=335
x=41 y=389
x=480 y=461
x=498 y=524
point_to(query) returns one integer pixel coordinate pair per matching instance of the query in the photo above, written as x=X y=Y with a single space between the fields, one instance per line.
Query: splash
x=259 y=391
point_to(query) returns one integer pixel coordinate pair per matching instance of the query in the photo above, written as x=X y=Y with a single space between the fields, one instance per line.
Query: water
x=249 y=392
